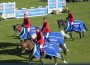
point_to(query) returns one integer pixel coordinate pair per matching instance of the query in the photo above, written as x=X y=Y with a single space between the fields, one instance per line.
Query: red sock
x=41 y=49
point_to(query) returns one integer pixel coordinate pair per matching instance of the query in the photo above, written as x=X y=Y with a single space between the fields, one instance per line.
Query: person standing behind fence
x=46 y=28
x=71 y=17
x=27 y=23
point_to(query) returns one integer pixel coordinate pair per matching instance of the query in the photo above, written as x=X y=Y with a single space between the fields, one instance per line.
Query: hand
x=42 y=31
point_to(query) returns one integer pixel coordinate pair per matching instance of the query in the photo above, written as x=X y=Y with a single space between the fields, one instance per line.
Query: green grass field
x=79 y=48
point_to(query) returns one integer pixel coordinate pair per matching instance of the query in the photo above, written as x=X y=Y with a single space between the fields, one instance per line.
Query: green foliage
x=79 y=48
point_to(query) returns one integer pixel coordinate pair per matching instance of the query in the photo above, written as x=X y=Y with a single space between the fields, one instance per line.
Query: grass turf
x=79 y=48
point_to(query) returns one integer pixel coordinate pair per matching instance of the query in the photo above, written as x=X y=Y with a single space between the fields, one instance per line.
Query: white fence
x=9 y=9
x=56 y=5
x=31 y=12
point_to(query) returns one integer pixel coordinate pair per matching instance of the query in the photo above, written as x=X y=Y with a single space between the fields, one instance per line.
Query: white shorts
x=47 y=34
x=71 y=23
x=41 y=46
x=28 y=29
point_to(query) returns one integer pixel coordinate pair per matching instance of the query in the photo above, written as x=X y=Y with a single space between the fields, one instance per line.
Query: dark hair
x=25 y=14
x=23 y=25
x=68 y=10
x=37 y=27
x=44 y=18
x=67 y=18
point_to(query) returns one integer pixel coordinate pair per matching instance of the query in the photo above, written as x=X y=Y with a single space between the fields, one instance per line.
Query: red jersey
x=27 y=22
x=71 y=17
x=40 y=39
x=46 y=27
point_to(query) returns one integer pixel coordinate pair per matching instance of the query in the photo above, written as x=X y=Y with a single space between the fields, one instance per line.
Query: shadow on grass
x=4 y=45
x=69 y=39
x=15 y=37
x=9 y=49
x=14 y=51
x=13 y=62
x=20 y=62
